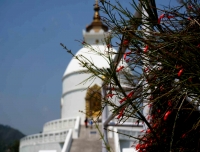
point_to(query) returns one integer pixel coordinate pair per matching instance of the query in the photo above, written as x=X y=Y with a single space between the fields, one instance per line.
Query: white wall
x=125 y=144
x=47 y=151
x=36 y=148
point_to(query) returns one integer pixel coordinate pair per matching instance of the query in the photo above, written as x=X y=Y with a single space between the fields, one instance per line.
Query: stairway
x=88 y=141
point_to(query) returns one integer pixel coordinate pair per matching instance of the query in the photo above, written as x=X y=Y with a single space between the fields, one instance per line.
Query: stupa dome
x=94 y=56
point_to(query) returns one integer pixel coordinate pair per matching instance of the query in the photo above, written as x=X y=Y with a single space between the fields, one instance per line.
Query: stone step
x=88 y=141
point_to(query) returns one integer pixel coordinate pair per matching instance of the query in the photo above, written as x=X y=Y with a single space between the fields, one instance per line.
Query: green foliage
x=9 y=139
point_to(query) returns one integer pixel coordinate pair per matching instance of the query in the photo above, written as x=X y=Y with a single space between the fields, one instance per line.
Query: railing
x=125 y=134
x=44 y=138
x=68 y=141
x=59 y=125
x=54 y=131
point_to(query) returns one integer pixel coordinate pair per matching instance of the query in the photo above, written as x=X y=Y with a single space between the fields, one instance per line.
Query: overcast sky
x=31 y=60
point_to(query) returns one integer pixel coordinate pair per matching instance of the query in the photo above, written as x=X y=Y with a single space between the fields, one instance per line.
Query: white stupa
x=57 y=134
x=73 y=95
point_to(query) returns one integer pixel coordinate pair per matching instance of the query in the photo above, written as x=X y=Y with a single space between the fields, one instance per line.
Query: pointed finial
x=96 y=23
x=96 y=12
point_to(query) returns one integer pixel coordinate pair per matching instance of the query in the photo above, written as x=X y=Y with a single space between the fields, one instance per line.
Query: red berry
x=137 y=146
x=146 y=49
x=125 y=42
x=167 y=114
x=180 y=72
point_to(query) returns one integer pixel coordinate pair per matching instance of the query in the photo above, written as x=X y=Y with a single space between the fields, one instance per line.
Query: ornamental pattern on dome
x=96 y=24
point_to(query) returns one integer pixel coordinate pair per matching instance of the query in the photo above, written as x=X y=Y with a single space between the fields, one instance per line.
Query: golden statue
x=93 y=101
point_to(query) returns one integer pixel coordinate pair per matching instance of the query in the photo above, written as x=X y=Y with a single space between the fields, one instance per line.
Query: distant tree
x=15 y=146
x=9 y=138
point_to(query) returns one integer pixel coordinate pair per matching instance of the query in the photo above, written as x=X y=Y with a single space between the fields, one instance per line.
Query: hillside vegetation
x=9 y=138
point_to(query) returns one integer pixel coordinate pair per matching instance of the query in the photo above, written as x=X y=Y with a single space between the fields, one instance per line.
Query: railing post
x=116 y=140
x=76 y=128
x=104 y=117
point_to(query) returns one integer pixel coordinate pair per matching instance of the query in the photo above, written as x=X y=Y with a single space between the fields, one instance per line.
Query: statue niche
x=93 y=101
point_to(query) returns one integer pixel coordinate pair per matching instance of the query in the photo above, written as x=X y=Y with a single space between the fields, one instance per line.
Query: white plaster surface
x=45 y=147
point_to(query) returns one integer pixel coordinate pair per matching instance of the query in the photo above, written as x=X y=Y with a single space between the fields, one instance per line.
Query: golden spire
x=96 y=17
x=96 y=24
